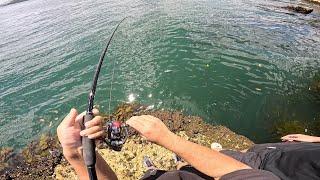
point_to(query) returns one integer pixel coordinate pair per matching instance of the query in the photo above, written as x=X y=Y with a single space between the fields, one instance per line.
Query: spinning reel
x=117 y=134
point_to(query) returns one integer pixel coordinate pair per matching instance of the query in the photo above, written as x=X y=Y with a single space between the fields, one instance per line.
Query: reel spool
x=117 y=134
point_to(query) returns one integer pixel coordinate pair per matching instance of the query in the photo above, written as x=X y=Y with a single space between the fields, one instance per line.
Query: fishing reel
x=117 y=134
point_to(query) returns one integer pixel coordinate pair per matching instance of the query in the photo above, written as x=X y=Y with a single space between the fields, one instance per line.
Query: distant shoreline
x=12 y=2
x=314 y=1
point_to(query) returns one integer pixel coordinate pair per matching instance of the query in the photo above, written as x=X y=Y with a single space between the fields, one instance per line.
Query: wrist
x=167 y=140
x=72 y=154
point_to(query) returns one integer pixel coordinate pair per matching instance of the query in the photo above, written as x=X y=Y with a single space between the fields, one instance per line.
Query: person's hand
x=300 y=137
x=69 y=132
x=152 y=128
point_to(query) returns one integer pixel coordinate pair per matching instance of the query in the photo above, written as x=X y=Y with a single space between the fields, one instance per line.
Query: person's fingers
x=149 y=116
x=135 y=122
x=96 y=121
x=289 y=136
x=293 y=137
x=131 y=120
x=79 y=120
x=283 y=137
x=151 y=119
x=91 y=130
x=95 y=112
x=96 y=135
x=141 y=122
x=287 y=139
x=70 y=118
x=80 y=117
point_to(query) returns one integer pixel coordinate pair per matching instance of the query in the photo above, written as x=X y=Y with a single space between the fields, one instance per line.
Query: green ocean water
x=243 y=64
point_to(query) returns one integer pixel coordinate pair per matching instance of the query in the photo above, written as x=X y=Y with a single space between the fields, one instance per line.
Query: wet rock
x=127 y=163
x=298 y=9
x=315 y=1
x=315 y=86
x=36 y=161
x=42 y=159
x=283 y=128
x=5 y=154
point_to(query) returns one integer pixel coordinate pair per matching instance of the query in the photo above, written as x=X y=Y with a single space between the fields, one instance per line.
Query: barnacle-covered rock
x=299 y=9
x=42 y=158
x=127 y=164
x=36 y=161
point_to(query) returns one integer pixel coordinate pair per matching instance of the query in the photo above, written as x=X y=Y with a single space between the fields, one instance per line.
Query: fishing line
x=89 y=154
x=110 y=91
x=112 y=78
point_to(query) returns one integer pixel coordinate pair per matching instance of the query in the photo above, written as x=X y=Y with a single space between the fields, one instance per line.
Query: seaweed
x=36 y=161
x=43 y=159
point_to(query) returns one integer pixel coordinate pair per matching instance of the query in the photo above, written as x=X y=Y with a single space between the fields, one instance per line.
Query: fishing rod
x=89 y=154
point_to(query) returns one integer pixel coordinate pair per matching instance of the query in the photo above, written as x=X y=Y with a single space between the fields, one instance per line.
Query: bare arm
x=102 y=168
x=206 y=160
x=69 y=134
x=301 y=138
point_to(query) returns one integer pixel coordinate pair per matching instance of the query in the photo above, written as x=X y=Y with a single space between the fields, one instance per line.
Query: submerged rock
x=299 y=9
x=315 y=86
x=285 y=127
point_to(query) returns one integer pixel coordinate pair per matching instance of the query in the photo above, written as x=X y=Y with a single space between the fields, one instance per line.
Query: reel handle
x=89 y=146
x=117 y=134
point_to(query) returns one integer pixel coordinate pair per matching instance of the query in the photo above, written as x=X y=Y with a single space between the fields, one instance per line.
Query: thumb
x=69 y=120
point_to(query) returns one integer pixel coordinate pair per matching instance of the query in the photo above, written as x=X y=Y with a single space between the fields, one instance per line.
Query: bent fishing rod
x=89 y=154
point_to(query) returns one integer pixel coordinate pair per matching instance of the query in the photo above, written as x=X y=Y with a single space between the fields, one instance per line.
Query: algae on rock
x=42 y=158
x=127 y=164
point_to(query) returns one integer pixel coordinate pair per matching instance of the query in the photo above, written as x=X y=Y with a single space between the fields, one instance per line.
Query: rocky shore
x=43 y=159
x=315 y=1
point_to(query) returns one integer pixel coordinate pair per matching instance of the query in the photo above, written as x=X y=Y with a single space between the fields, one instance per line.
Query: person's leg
x=152 y=174
x=181 y=164
x=193 y=170
x=179 y=161
x=152 y=171
x=184 y=166
x=251 y=159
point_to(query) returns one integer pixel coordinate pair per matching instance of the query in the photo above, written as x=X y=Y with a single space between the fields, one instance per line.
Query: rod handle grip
x=88 y=145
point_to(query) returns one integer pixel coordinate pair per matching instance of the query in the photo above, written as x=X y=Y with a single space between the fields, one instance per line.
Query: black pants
x=152 y=174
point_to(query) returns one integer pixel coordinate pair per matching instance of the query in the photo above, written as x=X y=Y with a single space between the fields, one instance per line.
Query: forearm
x=316 y=139
x=208 y=161
x=76 y=161
x=104 y=171
x=102 y=168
